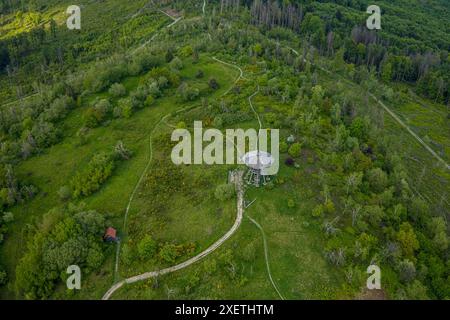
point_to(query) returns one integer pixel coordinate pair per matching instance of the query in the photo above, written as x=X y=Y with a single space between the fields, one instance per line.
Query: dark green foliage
x=90 y=180
x=147 y=247
x=74 y=239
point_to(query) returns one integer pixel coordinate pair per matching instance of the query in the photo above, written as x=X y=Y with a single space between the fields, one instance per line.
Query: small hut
x=110 y=235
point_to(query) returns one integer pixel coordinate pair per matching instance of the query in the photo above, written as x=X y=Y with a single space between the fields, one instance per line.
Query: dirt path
x=396 y=118
x=240 y=211
x=253 y=109
x=266 y=248
x=241 y=75
x=240 y=192
x=266 y=255
x=133 y=193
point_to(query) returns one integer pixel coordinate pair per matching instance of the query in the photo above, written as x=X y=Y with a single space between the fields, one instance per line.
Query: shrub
x=64 y=193
x=117 y=90
x=153 y=90
x=406 y=270
x=147 y=247
x=117 y=112
x=96 y=114
x=218 y=122
x=99 y=169
x=168 y=253
x=199 y=74
x=121 y=151
x=289 y=162
x=176 y=64
x=181 y=125
x=213 y=84
x=328 y=207
x=126 y=108
x=187 y=93
x=295 y=150
x=103 y=106
x=291 y=203
x=318 y=211
x=163 y=82
x=127 y=255
x=378 y=179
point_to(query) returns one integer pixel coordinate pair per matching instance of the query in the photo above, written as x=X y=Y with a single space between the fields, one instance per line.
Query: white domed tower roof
x=258 y=160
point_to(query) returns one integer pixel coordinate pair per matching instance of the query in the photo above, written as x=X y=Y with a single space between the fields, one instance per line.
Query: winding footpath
x=237 y=179
x=241 y=75
x=217 y=244
x=253 y=109
x=133 y=193
x=266 y=255
x=266 y=247
x=240 y=210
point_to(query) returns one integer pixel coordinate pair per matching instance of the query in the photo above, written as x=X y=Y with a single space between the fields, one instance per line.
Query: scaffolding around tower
x=257 y=162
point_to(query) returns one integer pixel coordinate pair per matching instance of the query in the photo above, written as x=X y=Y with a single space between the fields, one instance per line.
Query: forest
x=85 y=123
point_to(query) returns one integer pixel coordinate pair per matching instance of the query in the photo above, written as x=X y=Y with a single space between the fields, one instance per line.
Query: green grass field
x=53 y=169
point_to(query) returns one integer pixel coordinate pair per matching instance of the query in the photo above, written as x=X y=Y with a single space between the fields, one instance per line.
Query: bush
x=378 y=180
x=128 y=254
x=318 y=211
x=163 y=82
x=154 y=91
x=96 y=114
x=291 y=203
x=117 y=112
x=181 y=125
x=99 y=169
x=147 y=247
x=176 y=64
x=121 y=152
x=104 y=106
x=64 y=193
x=289 y=162
x=295 y=150
x=199 y=74
x=406 y=270
x=117 y=90
x=213 y=84
x=187 y=93
x=8 y=217
x=218 y=122
x=126 y=108
x=168 y=253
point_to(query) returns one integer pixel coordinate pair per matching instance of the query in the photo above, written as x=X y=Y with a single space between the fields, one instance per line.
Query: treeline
x=429 y=70
x=42 y=47
x=334 y=25
x=273 y=14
